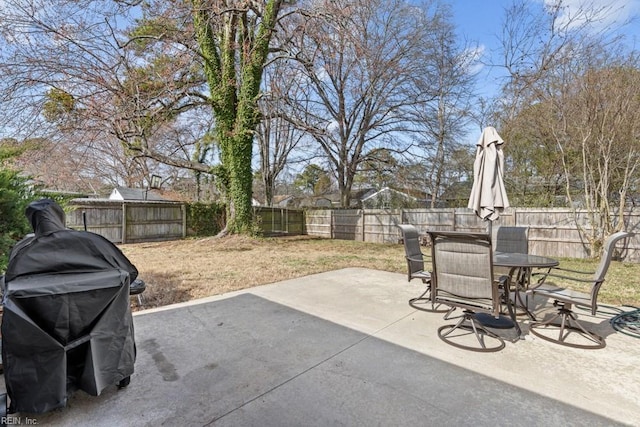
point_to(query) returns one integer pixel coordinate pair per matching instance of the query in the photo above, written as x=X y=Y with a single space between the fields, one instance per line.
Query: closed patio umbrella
x=488 y=196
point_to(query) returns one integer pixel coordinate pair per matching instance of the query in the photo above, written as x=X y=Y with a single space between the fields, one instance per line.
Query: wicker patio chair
x=462 y=277
x=564 y=324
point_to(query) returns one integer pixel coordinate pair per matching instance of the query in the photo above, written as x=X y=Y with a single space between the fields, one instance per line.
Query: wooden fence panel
x=348 y=224
x=552 y=231
x=433 y=219
x=555 y=231
x=318 y=222
x=280 y=221
x=380 y=225
x=149 y=222
x=128 y=221
x=103 y=219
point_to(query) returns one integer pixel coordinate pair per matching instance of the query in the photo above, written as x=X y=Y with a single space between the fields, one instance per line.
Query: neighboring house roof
x=356 y=196
x=124 y=193
x=282 y=200
x=322 y=202
x=387 y=190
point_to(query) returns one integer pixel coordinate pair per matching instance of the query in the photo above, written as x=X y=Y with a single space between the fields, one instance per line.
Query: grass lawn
x=177 y=271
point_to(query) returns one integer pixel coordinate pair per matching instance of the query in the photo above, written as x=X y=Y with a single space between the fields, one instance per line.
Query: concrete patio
x=345 y=348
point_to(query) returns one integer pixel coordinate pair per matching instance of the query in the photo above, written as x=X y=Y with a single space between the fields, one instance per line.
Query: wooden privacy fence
x=143 y=221
x=379 y=225
x=280 y=221
x=129 y=221
x=552 y=231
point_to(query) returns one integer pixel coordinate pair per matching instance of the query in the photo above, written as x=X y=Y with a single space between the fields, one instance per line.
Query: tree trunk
x=233 y=66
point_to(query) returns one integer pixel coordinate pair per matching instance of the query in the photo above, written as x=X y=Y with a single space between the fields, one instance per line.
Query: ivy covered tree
x=175 y=82
x=233 y=39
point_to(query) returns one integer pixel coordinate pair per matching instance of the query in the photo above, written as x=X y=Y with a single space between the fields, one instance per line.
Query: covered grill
x=67 y=321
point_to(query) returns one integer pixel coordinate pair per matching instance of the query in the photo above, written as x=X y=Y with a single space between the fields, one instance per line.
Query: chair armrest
x=575 y=279
x=424 y=259
x=562 y=276
x=552 y=273
x=544 y=276
x=572 y=271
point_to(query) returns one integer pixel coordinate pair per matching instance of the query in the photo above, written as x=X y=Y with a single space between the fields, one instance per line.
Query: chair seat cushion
x=425 y=275
x=480 y=304
x=563 y=294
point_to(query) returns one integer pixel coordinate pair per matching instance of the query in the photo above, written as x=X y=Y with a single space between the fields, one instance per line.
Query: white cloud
x=608 y=13
x=472 y=59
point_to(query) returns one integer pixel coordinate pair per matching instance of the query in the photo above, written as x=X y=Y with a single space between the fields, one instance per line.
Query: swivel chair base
x=566 y=324
x=470 y=325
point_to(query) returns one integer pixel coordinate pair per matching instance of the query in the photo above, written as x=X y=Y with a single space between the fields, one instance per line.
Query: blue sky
x=479 y=21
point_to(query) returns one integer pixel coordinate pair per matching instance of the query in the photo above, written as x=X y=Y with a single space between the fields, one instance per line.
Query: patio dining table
x=524 y=265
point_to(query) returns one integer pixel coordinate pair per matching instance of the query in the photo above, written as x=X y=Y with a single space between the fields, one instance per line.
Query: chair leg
x=424 y=303
x=139 y=299
x=468 y=326
x=567 y=325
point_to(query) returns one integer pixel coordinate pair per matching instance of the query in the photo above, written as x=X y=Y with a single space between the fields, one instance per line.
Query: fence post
x=332 y=222
x=364 y=237
x=124 y=222
x=183 y=209
x=454 y=219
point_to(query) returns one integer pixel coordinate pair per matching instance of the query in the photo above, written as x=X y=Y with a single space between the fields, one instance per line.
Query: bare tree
x=357 y=65
x=71 y=78
x=277 y=138
x=601 y=124
x=569 y=89
x=538 y=40
x=444 y=119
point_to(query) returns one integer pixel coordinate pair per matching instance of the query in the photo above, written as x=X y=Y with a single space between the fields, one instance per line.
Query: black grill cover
x=67 y=321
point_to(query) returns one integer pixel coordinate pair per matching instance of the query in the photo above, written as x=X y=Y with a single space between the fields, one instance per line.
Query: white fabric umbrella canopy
x=488 y=195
